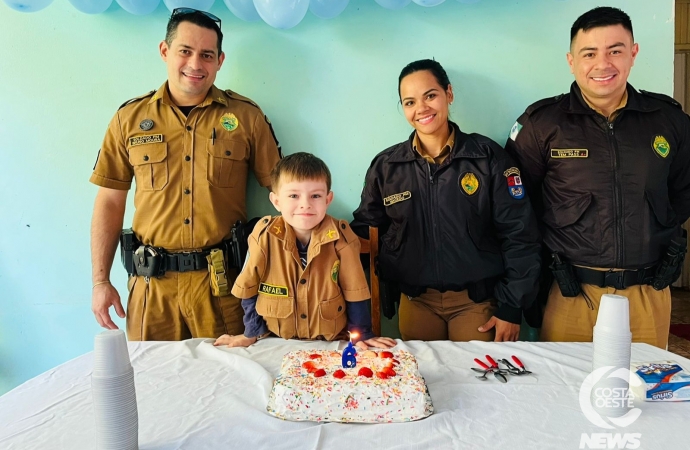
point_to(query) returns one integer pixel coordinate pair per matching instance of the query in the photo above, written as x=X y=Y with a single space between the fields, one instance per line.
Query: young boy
x=302 y=278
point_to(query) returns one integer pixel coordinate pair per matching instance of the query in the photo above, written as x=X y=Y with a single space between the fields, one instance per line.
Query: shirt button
x=186 y=221
x=302 y=281
x=342 y=225
x=187 y=158
x=303 y=316
x=189 y=128
x=187 y=191
x=146 y=158
x=340 y=308
x=228 y=152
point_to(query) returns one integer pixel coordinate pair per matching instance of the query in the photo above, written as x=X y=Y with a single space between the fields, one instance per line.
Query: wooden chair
x=371 y=246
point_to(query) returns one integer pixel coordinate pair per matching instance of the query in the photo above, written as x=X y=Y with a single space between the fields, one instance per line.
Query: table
x=192 y=395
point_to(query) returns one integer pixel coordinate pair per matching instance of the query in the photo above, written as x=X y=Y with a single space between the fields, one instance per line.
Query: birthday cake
x=382 y=387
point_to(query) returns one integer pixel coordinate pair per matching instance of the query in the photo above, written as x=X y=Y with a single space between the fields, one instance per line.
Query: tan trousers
x=571 y=320
x=179 y=306
x=436 y=316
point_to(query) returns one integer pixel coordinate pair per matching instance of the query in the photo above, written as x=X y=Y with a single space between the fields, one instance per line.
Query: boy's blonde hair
x=300 y=167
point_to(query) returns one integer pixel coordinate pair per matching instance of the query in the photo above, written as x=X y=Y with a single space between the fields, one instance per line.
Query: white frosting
x=299 y=395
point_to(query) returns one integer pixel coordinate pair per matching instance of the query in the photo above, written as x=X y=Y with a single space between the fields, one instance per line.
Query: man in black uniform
x=608 y=171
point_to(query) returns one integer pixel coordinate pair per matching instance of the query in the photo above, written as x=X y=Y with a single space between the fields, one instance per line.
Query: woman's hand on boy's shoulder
x=234 y=341
x=376 y=342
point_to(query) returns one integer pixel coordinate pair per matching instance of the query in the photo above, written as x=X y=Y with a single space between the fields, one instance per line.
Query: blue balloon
x=201 y=5
x=393 y=4
x=282 y=14
x=428 y=2
x=28 y=5
x=244 y=9
x=139 y=7
x=327 y=9
x=91 y=6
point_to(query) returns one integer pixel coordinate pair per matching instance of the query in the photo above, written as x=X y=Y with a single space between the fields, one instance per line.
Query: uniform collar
x=461 y=147
x=578 y=105
x=447 y=147
x=325 y=232
x=214 y=95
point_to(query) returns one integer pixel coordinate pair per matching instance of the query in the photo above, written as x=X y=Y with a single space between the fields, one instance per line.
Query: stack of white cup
x=114 y=396
x=612 y=339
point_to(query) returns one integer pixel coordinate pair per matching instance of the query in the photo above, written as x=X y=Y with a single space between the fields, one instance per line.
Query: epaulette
x=346 y=232
x=236 y=96
x=541 y=103
x=135 y=99
x=662 y=97
x=262 y=225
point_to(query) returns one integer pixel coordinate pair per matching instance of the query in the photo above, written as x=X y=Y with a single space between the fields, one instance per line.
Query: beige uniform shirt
x=191 y=172
x=304 y=303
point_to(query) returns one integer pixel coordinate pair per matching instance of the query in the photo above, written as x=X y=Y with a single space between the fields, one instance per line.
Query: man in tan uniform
x=189 y=147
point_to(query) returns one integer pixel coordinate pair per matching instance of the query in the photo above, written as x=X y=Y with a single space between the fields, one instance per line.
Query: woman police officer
x=458 y=234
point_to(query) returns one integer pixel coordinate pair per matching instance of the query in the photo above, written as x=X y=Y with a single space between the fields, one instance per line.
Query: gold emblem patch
x=146 y=139
x=661 y=146
x=229 y=121
x=395 y=198
x=278 y=291
x=277 y=229
x=511 y=171
x=569 y=153
x=330 y=234
x=469 y=183
x=335 y=270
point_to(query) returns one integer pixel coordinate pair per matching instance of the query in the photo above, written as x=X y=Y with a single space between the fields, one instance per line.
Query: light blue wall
x=328 y=86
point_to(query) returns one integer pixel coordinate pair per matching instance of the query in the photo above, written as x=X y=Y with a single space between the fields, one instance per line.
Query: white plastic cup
x=115 y=411
x=614 y=314
x=110 y=354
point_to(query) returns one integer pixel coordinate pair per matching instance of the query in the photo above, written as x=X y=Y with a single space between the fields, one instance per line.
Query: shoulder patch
x=515 y=130
x=541 y=103
x=662 y=97
x=135 y=99
x=236 y=96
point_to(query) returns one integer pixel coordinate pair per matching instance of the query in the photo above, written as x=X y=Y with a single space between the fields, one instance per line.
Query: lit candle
x=349 y=353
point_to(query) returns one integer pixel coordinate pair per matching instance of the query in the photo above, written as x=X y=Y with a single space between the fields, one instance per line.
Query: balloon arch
x=281 y=14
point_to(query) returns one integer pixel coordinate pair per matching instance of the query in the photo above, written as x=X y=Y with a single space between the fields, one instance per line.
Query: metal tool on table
x=523 y=371
x=499 y=374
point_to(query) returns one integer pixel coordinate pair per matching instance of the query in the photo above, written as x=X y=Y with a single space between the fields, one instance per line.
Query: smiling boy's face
x=303 y=204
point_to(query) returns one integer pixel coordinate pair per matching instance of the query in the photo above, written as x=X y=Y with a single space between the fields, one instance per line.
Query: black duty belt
x=185 y=262
x=621 y=279
x=149 y=261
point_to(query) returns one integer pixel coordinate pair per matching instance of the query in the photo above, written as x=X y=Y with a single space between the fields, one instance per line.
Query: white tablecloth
x=192 y=395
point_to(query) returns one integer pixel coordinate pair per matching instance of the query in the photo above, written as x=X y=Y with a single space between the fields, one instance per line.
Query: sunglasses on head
x=184 y=11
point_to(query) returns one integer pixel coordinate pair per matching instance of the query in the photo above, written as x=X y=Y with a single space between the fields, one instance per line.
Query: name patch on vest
x=146 y=139
x=280 y=291
x=569 y=153
x=395 y=198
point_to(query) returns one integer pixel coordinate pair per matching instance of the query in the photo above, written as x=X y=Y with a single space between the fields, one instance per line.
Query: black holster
x=565 y=276
x=128 y=244
x=671 y=265
x=238 y=244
